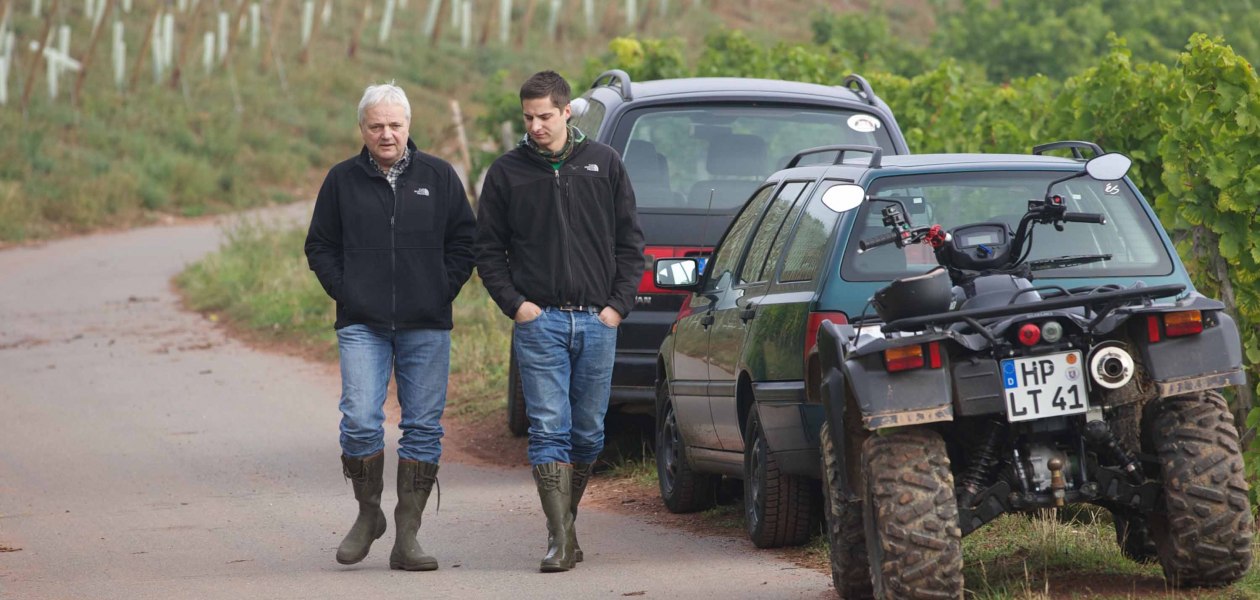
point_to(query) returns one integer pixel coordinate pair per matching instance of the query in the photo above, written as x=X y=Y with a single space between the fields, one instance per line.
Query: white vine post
x=505 y=21
x=308 y=21
x=632 y=12
x=387 y=21
x=222 y=44
x=207 y=51
x=36 y=8
x=457 y=11
x=126 y=6
x=664 y=6
x=325 y=16
x=6 y=60
x=182 y=5
x=465 y=24
x=58 y=60
x=157 y=46
x=255 y=22
x=588 y=9
x=553 y=19
x=120 y=55
x=430 y=19
x=98 y=12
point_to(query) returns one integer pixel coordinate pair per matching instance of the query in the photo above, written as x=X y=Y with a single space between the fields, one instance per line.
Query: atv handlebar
x=1075 y=217
x=879 y=240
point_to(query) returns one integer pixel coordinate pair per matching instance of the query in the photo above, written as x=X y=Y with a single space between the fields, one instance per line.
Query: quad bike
x=978 y=392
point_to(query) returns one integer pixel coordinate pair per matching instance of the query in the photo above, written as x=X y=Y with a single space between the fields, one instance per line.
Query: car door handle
x=706 y=320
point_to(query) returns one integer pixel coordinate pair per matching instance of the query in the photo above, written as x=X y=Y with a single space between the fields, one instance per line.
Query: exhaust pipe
x=1111 y=366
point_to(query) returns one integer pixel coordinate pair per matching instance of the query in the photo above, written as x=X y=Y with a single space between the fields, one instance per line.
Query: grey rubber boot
x=366 y=477
x=415 y=481
x=581 y=475
x=554 y=481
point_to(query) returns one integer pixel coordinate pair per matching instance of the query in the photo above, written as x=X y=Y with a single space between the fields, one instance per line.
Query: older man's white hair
x=385 y=93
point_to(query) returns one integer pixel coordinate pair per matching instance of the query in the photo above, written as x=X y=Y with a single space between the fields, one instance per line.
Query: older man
x=391 y=241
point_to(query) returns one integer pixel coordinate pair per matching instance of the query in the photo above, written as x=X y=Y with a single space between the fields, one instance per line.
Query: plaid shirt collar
x=395 y=170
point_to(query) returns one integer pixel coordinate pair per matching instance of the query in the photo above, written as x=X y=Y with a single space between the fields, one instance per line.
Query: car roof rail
x=622 y=79
x=877 y=154
x=863 y=89
x=1076 y=147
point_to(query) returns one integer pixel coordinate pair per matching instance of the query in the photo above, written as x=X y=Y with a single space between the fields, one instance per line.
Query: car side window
x=768 y=231
x=591 y=118
x=721 y=268
x=808 y=247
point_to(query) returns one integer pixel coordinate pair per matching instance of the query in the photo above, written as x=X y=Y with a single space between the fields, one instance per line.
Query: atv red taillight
x=1187 y=322
x=815 y=322
x=651 y=254
x=917 y=356
x=1029 y=334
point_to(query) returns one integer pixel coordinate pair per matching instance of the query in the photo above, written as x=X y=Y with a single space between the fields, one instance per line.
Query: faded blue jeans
x=420 y=360
x=565 y=361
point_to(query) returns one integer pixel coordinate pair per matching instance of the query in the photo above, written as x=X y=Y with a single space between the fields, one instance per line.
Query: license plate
x=1051 y=385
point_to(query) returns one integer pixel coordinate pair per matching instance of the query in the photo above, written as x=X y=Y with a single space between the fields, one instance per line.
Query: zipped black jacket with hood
x=559 y=237
x=392 y=260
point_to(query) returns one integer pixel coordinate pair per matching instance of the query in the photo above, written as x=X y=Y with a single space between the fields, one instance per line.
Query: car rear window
x=713 y=157
x=954 y=199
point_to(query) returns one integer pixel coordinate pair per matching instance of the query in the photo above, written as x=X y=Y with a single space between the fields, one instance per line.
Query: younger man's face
x=546 y=123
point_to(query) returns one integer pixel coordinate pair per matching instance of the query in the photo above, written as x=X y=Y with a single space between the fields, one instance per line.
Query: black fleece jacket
x=392 y=260
x=559 y=237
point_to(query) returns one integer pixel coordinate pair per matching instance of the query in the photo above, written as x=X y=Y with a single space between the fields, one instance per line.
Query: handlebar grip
x=1076 y=217
x=878 y=240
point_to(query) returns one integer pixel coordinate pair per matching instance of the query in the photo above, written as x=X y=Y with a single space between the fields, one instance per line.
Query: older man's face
x=385 y=129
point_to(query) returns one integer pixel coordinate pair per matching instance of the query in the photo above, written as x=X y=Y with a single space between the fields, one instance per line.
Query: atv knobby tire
x=850 y=571
x=911 y=514
x=1203 y=527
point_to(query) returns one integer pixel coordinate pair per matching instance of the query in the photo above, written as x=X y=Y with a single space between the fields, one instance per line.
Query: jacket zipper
x=566 y=285
x=393 y=265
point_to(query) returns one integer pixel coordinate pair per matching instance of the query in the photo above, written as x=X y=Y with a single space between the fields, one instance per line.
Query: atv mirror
x=1108 y=167
x=843 y=197
x=677 y=273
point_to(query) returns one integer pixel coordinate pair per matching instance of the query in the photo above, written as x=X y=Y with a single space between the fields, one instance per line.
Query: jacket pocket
x=365 y=285
x=422 y=286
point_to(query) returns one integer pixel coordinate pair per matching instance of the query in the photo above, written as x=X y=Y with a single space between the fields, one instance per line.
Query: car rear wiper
x=1066 y=261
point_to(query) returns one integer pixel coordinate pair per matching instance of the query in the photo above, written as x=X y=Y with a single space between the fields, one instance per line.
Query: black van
x=695 y=150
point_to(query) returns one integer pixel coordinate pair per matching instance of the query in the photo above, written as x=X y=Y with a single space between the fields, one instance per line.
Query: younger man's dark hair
x=547 y=84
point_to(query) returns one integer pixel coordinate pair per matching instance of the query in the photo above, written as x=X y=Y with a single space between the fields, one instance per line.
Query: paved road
x=145 y=455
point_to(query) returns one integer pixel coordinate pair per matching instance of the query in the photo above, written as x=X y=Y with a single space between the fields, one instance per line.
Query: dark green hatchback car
x=737 y=376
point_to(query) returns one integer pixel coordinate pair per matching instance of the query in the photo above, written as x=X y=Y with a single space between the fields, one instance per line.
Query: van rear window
x=714 y=157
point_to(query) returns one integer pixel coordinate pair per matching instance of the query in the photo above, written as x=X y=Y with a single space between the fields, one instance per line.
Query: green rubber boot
x=581 y=475
x=366 y=477
x=554 y=481
x=415 y=481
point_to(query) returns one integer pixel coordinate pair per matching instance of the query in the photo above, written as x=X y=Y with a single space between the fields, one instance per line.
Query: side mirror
x=843 y=197
x=676 y=273
x=1108 y=167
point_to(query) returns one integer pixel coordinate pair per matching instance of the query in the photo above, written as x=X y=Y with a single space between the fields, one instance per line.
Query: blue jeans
x=565 y=361
x=420 y=360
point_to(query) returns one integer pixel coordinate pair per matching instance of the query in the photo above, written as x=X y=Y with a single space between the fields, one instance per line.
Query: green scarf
x=574 y=138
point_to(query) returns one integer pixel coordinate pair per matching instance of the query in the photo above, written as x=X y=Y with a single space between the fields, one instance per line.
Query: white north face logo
x=592 y=168
x=422 y=191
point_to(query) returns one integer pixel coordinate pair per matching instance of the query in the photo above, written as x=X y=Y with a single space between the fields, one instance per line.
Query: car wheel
x=517 y=422
x=682 y=489
x=850 y=571
x=911 y=516
x=779 y=509
x=1203 y=527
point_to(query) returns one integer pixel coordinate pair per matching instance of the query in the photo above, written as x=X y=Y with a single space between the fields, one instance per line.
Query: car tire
x=779 y=509
x=683 y=490
x=517 y=421
x=1203 y=525
x=911 y=516
x=846 y=537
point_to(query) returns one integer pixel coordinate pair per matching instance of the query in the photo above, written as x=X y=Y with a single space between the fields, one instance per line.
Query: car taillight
x=651 y=254
x=815 y=322
x=1188 y=322
x=918 y=356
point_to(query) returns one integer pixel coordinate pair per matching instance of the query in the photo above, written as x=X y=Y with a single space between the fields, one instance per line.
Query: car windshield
x=954 y=199
x=713 y=157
